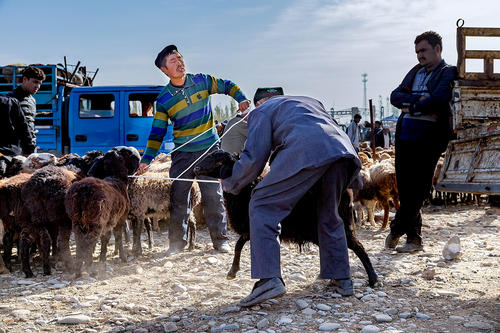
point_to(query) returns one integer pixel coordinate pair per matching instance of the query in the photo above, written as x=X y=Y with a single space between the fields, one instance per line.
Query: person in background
x=422 y=134
x=354 y=131
x=236 y=134
x=32 y=81
x=382 y=136
x=185 y=101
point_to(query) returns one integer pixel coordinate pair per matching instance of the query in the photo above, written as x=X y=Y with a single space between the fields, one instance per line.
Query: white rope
x=181 y=179
x=208 y=149
x=202 y=155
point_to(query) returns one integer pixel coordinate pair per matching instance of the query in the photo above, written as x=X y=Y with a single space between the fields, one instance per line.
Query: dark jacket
x=28 y=105
x=439 y=102
x=379 y=138
x=296 y=133
x=15 y=136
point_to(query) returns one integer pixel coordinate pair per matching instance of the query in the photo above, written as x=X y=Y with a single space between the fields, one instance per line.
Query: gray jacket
x=235 y=135
x=296 y=133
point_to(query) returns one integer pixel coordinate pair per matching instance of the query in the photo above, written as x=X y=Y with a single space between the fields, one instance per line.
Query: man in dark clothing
x=32 y=80
x=383 y=138
x=277 y=128
x=15 y=135
x=422 y=134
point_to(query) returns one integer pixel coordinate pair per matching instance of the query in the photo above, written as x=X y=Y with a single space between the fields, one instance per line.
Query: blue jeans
x=211 y=198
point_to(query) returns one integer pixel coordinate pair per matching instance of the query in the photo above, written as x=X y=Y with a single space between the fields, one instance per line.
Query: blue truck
x=74 y=117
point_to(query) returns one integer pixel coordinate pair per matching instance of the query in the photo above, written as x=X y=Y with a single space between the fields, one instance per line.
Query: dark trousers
x=415 y=164
x=211 y=199
x=271 y=204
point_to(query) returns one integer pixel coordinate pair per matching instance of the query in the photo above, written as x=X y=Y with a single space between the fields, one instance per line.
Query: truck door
x=93 y=123
x=138 y=118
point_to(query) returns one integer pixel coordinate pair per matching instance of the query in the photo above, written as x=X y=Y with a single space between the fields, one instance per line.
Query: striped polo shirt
x=188 y=108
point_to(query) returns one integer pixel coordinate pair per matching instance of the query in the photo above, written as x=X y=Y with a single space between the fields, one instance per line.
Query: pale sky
x=317 y=48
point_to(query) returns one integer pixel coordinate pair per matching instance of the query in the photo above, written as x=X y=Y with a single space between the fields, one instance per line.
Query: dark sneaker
x=410 y=247
x=343 y=287
x=263 y=290
x=391 y=241
x=174 y=249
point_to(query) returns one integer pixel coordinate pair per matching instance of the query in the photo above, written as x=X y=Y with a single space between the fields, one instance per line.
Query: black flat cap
x=163 y=53
x=266 y=92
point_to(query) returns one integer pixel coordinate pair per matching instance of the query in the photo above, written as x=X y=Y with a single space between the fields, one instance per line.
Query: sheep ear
x=97 y=167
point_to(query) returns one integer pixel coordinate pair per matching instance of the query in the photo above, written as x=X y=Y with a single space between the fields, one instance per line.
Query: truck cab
x=104 y=117
x=75 y=117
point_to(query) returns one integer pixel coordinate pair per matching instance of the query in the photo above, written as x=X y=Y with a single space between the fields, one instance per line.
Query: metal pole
x=373 y=129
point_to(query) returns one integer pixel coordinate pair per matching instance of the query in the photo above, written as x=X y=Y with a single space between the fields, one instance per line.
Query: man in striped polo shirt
x=185 y=101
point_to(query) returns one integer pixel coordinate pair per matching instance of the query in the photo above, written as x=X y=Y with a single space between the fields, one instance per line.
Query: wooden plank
x=481 y=76
x=481 y=32
x=482 y=54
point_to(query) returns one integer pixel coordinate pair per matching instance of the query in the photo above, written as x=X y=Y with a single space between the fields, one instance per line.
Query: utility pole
x=381 y=106
x=364 y=80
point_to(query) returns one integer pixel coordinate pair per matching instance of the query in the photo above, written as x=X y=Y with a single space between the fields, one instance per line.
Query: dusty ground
x=189 y=292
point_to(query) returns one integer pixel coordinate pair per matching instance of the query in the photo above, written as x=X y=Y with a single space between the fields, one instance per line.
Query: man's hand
x=405 y=110
x=244 y=105
x=143 y=167
x=422 y=98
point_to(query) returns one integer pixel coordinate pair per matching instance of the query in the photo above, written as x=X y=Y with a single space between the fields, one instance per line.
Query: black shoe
x=263 y=290
x=342 y=286
x=391 y=241
x=410 y=247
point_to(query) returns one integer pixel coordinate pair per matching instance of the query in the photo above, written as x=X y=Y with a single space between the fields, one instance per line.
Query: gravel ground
x=189 y=292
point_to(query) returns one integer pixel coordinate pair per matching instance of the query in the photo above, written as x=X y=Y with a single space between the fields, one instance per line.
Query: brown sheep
x=150 y=199
x=12 y=212
x=383 y=178
x=365 y=198
x=97 y=206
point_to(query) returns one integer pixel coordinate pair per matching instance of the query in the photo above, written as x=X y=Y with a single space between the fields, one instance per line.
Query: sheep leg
x=345 y=212
x=53 y=234
x=386 y=206
x=118 y=232
x=64 y=250
x=8 y=243
x=3 y=269
x=104 y=245
x=191 y=232
x=24 y=245
x=149 y=231
x=370 y=208
x=136 y=236
x=126 y=232
x=235 y=267
x=45 y=242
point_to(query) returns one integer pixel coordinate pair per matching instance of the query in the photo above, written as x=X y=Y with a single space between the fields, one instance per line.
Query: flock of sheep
x=44 y=199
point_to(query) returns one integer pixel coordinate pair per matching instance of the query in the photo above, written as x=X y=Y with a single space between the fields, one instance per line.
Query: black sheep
x=293 y=227
x=43 y=195
x=99 y=204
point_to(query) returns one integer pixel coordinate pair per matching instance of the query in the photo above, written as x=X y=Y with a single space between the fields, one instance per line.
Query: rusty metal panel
x=472 y=165
x=476 y=110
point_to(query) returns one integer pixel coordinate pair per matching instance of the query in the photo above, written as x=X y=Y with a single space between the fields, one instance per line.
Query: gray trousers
x=211 y=198
x=271 y=204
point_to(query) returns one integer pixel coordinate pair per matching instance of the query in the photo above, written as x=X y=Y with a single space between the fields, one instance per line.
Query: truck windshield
x=142 y=104
x=97 y=106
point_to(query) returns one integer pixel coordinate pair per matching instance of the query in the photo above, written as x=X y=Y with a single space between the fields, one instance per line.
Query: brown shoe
x=391 y=241
x=410 y=247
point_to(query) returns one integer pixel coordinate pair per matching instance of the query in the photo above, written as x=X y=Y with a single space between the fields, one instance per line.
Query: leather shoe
x=410 y=247
x=263 y=290
x=343 y=286
x=223 y=248
x=391 y=241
